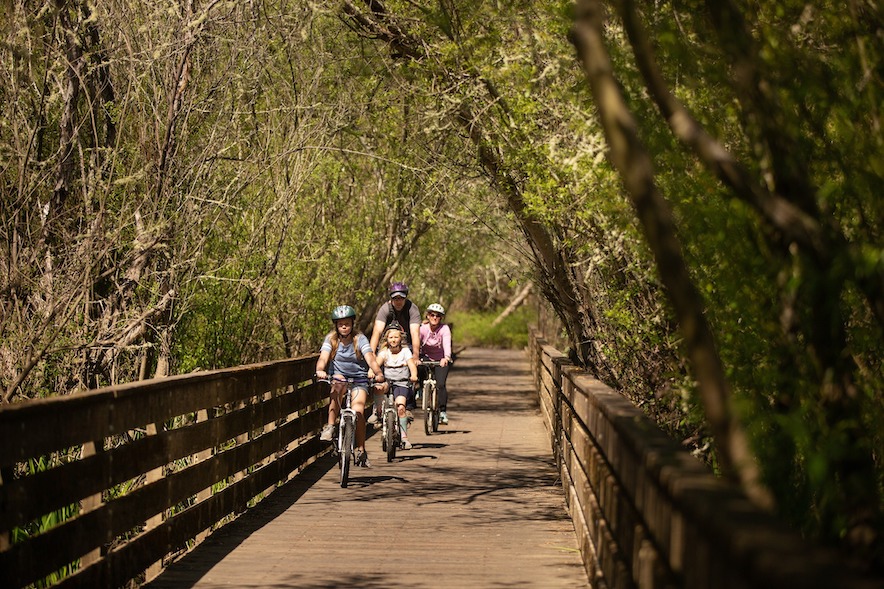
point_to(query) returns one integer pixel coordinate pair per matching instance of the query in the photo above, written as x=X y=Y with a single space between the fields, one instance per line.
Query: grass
x=474 y=329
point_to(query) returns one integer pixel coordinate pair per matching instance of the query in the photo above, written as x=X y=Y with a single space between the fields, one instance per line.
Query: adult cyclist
x=349 y=355
x=406 y=313
x=435 y=338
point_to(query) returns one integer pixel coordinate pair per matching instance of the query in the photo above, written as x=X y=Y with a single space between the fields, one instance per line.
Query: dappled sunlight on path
x=477 y=505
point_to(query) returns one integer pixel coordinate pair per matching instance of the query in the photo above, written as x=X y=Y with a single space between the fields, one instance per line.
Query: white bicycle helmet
x=436 y=308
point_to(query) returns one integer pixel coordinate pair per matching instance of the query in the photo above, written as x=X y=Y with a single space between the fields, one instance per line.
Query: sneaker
x=372 y=419
x=361 y=458
x=409 y=416
x=443 y=418
x=406 y=445
x=328 y=431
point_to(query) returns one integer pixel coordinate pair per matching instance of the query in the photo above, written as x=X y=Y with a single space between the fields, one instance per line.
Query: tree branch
x=631 y=159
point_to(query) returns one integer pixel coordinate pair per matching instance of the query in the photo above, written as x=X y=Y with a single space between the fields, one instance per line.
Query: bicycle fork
x=347 y=414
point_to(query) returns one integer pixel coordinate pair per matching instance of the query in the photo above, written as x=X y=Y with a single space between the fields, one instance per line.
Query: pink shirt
x=435 y=344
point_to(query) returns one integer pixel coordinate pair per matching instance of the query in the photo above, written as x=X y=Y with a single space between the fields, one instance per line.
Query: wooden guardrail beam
x=116 y=521
x=649 y=515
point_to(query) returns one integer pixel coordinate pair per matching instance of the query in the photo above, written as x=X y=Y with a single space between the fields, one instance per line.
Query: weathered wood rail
x=650 y=516
x=146 y=468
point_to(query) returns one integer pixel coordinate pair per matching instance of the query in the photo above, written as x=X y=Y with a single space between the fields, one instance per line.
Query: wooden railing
x=648 y=515
x=133 y=474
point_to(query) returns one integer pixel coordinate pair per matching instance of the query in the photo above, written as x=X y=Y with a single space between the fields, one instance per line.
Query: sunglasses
x=433 y=315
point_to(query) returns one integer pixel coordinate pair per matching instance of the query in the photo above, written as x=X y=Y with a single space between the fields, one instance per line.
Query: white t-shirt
x=395 y=365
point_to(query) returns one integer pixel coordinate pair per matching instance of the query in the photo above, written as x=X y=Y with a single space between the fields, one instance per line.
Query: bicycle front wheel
x=390 y=438
x=348 y=437
x=427 y=402
x=435 y=413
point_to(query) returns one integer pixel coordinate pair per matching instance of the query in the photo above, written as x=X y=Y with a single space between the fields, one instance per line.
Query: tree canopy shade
x=693 y=186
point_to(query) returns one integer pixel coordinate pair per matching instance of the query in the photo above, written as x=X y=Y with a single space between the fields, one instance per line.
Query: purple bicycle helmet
x=398 y=289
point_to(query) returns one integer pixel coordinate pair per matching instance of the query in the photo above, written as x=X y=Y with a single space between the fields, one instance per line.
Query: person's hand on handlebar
x=321 y=375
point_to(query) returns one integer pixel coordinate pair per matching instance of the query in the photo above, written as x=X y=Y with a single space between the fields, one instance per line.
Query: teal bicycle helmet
x=343 y=312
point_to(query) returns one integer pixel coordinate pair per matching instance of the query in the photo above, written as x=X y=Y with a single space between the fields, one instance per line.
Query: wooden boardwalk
x=477 y=505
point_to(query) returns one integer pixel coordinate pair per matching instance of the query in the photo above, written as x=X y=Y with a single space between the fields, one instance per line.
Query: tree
x=818 y=252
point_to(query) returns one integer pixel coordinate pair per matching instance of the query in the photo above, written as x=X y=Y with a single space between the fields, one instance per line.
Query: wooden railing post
x=153 y=476
x=92 y=502
x=201 y=416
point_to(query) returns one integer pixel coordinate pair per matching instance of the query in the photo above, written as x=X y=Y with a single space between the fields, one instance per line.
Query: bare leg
x=358 y=405
x=334 y=403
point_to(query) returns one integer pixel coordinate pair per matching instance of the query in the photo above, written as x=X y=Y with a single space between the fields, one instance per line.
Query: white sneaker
x=443 y=418
x=372 y=419
x=361 y=458
x=328 y=431
x=406 y=445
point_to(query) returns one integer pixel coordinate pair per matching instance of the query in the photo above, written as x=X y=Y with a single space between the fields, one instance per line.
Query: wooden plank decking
x=477 y=505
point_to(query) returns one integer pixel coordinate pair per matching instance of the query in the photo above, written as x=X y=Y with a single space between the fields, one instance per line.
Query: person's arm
x=446 y=345
x=370 y=358
x=412 y=368
x=373 y=364
x=381 y=358
x=416 y=341
x=414 y=328
x=321 y=364
x=379 y=325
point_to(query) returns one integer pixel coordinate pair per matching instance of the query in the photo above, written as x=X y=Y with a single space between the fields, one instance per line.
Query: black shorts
x=404 y=391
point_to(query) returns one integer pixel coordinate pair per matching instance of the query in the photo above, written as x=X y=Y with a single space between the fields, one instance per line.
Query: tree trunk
x=634 y=165
x=514 y=304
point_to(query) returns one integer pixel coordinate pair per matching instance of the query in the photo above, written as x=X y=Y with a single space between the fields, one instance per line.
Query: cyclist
x=407 y=314
x=347 y=352
x=435 y=338
x=399 y=368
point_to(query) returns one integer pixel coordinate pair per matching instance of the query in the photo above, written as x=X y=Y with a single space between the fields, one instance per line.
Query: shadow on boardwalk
x=478 y=504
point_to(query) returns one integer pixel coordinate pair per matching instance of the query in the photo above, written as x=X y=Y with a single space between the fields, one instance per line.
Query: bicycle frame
x=429 y=403
x=390 y=435
x=345 y=441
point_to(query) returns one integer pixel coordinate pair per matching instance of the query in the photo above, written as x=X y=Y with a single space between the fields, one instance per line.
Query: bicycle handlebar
x=328 y=380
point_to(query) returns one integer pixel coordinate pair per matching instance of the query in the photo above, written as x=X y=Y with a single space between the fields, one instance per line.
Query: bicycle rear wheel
x=390 y=438
x=347 y=445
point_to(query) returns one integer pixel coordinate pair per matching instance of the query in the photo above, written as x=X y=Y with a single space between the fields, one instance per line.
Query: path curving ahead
x=477 y=505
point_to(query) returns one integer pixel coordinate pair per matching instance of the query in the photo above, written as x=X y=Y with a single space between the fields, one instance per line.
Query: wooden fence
x=648 y=515
x=135 y=473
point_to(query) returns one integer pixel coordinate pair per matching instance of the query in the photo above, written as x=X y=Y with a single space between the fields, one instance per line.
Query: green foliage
x=475 y=329
x=306 y=165
x=47 y=522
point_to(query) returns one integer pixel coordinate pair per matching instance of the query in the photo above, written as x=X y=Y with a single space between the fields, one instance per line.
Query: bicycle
x=391 y=438
x=429 y=403
x=344 y=440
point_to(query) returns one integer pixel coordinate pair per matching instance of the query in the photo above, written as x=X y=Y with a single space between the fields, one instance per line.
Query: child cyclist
x=399 y=369
x=350 y=356
x=436 y=346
